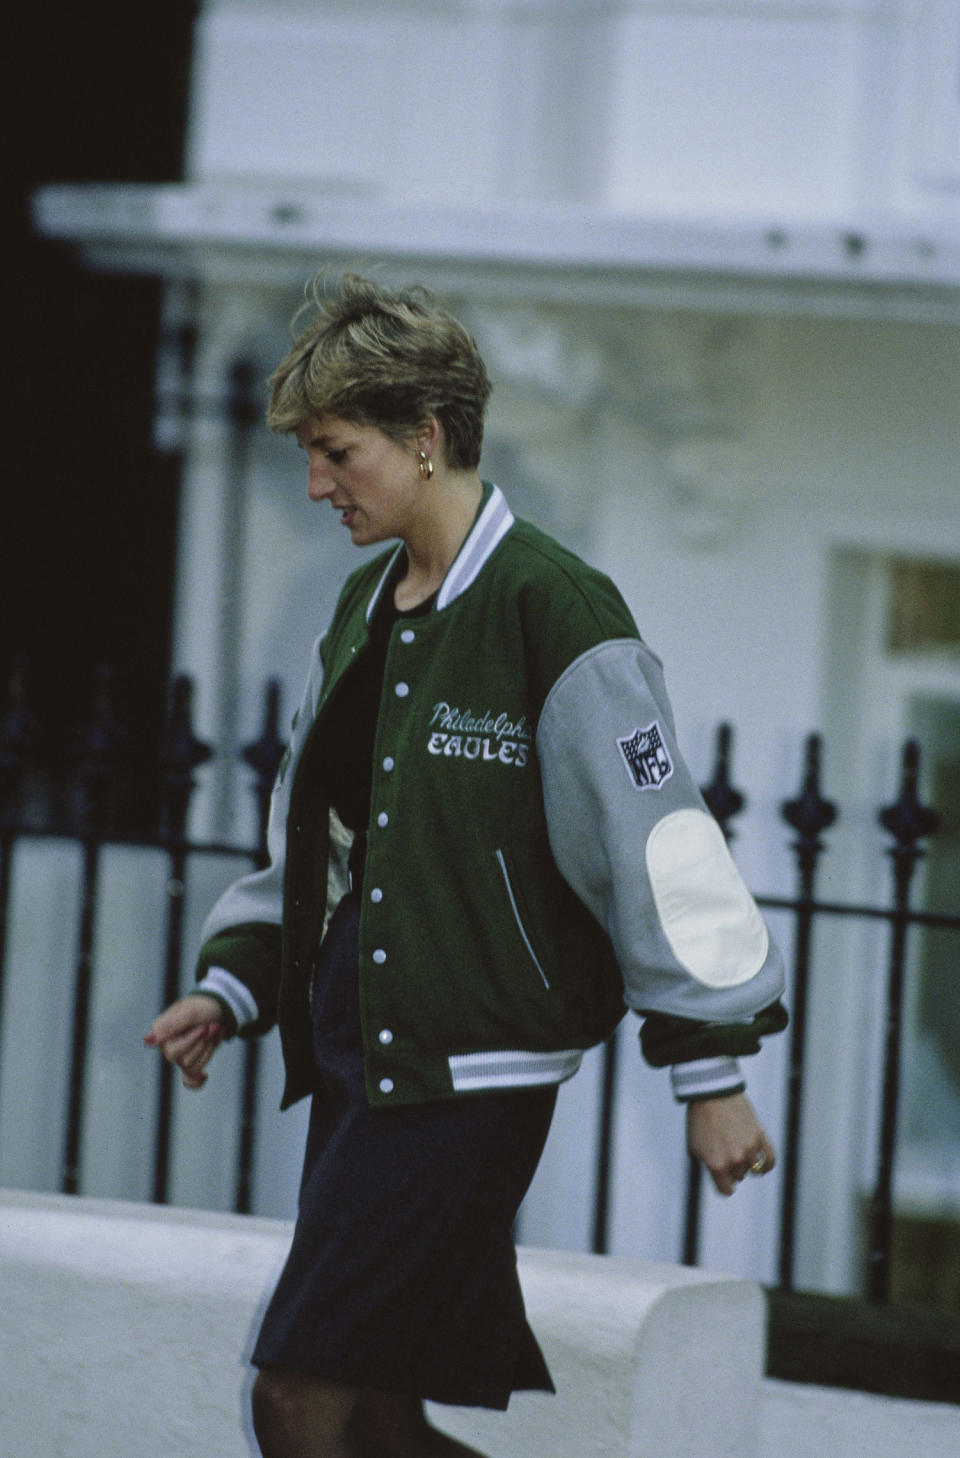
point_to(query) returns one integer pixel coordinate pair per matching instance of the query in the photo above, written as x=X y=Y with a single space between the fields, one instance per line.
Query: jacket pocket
x=511 y=890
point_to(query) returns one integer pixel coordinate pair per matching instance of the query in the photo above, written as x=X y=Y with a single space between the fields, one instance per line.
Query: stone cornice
x=274 y=235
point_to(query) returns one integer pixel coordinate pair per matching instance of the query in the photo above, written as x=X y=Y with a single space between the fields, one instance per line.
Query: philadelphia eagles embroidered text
x=487 y=737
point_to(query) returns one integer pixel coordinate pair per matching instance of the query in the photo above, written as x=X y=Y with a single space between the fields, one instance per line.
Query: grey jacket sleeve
x=631 y=834
x=256 y=899
x=258 y=896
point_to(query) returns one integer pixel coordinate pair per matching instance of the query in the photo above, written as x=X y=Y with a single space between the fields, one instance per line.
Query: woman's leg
x=297 y=1415
x=387 y=1425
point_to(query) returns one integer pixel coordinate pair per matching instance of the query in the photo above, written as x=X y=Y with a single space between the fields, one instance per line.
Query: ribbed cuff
x=222 y=984
x=706 y=1078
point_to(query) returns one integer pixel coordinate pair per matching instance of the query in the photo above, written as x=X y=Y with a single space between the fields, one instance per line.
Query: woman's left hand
x=725 y=1134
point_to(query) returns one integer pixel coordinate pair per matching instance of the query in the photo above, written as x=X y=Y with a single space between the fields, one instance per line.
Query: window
x=924 y=610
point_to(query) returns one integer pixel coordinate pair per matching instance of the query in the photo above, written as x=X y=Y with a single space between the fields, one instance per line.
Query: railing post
x=180 y=754
x=809 y=814
x=18 y=730
x=100 y=751
x=909 y=822
x=17 y=736
x=264 y=757
x=241 y=411
x=604 y=1162
x=724 y=802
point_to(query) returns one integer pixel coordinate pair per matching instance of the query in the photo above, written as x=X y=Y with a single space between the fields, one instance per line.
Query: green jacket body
x=538 y=857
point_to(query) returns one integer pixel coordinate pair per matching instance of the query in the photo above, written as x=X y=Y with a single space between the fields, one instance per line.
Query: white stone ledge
x=804 y=1421
x=260 y=233
x=123 y=1330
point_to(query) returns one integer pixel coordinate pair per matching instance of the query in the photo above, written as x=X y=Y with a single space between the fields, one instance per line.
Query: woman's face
x=371 y=480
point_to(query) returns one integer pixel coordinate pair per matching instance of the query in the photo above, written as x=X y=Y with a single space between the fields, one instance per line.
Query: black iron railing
x=99 y=750
x=909 y=822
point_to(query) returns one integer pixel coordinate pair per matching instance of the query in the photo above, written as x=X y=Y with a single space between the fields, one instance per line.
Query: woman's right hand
x=188 y=1034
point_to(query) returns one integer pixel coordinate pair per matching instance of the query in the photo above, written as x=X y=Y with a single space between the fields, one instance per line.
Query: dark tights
x=297 y=1415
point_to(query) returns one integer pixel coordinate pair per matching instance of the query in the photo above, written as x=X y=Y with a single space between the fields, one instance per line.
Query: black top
x=346 y=753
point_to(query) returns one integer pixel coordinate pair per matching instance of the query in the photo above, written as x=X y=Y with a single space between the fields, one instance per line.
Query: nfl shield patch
x=646 y=758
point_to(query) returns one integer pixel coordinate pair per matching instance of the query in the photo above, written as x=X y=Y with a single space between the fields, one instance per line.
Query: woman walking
x=485 y=847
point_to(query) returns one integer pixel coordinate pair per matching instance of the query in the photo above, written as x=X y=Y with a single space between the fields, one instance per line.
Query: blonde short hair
x=387 y=358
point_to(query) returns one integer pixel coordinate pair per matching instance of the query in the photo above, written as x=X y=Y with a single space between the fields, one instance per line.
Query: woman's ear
x=429 y=437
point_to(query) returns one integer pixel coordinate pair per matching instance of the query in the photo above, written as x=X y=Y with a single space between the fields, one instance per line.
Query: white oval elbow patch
x=708 y=916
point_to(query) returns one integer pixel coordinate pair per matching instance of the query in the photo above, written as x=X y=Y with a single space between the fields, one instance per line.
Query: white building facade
x=711 y=252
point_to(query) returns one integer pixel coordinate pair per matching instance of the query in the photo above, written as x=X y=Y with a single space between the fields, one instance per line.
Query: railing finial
x=723 y=801
x=908 y=820
x=264 y=754
x=810 y=813
x=18 y=734
x=180 y=755
x=101 y=747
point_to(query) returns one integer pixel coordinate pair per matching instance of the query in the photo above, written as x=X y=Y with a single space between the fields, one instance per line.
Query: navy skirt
x=402 y=1274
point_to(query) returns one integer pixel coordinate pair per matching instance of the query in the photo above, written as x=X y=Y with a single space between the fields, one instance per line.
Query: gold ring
x=759 y=1164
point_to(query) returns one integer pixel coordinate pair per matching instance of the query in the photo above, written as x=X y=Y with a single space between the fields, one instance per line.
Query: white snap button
x=401 y=690
x=383 y=819
x=376 y=894
x=388 y=763
x=407 y=636
x=385 y=1035
x=379 y=956
x=386 y=1085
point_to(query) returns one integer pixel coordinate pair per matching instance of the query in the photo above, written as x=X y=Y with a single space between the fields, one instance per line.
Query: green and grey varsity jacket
x=538 y=855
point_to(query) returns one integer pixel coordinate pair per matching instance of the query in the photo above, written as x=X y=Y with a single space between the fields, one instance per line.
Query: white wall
x=816 y=436
x=119 y=1315
x=769 y=109
x=823 y=439
x=727 y=469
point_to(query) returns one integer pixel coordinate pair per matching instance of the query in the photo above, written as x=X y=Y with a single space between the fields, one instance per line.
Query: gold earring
x=426 y=466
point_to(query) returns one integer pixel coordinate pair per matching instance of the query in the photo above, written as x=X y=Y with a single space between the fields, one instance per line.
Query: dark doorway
x=88 y=536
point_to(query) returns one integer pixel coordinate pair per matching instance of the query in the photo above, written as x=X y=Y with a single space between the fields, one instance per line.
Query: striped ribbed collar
x=494 y=520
